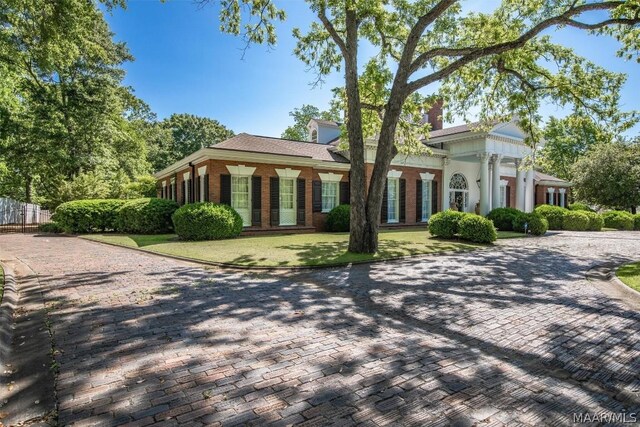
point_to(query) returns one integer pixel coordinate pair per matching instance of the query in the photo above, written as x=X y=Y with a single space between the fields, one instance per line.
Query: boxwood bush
x=553 y=214
x=207 y=221
x=580 y=207
x=86 y=216
x=636 y=222
x=596 y=222
x=575 y=221
x=477 y=229
x=620 y=220
x=146 y=216
x=503 y=218
x=338 y=219
x=445 y=224
x=536 y=223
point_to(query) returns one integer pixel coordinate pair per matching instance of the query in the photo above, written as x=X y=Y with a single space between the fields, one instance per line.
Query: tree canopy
x=301 y=117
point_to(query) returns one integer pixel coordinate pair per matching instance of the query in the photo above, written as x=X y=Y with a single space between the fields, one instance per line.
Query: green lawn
x=630 y=275
x=289 y=250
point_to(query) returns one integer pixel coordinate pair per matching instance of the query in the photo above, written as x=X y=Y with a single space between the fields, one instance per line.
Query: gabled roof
x=546 y=179
x=454 y=130
x=286 y=147
x=330 y=123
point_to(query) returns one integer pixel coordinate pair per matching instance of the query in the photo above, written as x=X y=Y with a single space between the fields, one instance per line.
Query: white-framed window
x=202 y=175
x=503 y=196
x=314 y=135
x=393 y=199
x=287 y=201
x=241 y=197
x=426 y=200
x=459 y=192
x=330 y=194
x=550 y=197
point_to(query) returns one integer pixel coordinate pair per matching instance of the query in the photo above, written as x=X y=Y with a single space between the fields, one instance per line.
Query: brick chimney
x=434 y=116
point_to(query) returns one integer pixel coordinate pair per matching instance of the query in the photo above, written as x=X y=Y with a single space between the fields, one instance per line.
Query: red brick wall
x=320 y=218
x=512 y=190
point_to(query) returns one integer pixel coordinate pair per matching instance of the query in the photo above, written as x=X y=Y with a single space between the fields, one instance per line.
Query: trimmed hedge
x=596 y=222
x=575 y=221
x=536 y=223
x=206 y=221
x=503 y=218
x=86 y=216
x=50 y=227
x=445 y=224
x=477 y=229
x=620 y=220
x=553 y=214
x=636 y=222
x=580 y=207
x=146 y=216
x=339 y=218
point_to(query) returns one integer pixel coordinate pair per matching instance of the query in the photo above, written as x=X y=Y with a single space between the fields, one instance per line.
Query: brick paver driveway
x=508 y=335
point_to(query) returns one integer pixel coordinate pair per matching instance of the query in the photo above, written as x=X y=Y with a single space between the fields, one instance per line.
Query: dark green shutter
x=507 y=196
x=225 y=189
x=274 y=200
x=418 y=200
x=403 y=200
x=344 y=193
x=316 y=196
x=301 y=220
x=384 y=214
x=434 y=197
x=206 y=188
x=196 y=196
x=256 y=201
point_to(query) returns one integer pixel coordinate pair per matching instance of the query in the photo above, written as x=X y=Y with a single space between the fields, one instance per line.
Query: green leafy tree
x=499 y=62
x=301 y=117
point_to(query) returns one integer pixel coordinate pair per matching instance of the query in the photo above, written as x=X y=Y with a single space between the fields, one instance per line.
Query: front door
x=287 y=201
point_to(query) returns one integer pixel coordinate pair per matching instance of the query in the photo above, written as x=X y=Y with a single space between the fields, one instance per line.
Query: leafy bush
x=596 y=222
x=575 y=221
x=146 y=216
x=50 y=227
x=503 y=218
x=445 y=224
x=338 y=218
x=580 y=207
x=86 y=216
x=636 y=222
x=207 y=221
x=536 y=224
x=477 y=229
x=553 y=214
x=620 y=220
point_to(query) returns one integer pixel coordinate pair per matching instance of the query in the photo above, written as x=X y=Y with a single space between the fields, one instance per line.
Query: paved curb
x=604 y=278
x=7 y=309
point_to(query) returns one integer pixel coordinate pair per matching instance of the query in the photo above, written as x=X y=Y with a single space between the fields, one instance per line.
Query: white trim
x=504 y=183
x=287 y=173
x=241 y=170
x=202 y=170
x=164 y=184
x=551 y=190
x=330 y=177
x=426 y=176
x=396 y=207
x=186 y=175
x=173 y=181
x=394 y=174
x=562 y=190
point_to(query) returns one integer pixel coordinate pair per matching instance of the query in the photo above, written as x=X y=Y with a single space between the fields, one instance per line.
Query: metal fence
x=20 y=217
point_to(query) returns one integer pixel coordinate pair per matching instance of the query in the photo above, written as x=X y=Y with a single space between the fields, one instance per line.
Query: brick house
x=283 y=185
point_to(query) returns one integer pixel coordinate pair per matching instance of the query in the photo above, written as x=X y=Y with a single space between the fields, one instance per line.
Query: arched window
x=314 y=135
x=459 y=192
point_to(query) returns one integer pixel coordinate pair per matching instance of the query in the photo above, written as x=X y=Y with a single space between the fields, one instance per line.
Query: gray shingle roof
x=286 y=147
x=468 y=127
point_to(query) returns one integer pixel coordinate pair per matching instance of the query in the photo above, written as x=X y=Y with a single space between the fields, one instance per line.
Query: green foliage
x=50 y=227
x=535 y=223
x=445 y=224
x=620 y=220
x=575 y=221
x=143 y=186
x=503 y=218
x=207 y=221
x=580 y=207
x=301 y=117
x=618 y=184
x=553 y=214
x=146 y=216
x=596 y=222
x=88 y=216
x=338 y=218
x=477 y=229
x=636 y=222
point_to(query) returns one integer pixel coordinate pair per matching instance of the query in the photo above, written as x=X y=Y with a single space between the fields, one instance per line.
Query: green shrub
x=86 y=216
x=575 y=221
x=553 y=214
x=445 y=224
x=477 y=229
x=620 y=220
x=535 y=223
x=503 y=218
x=580 y=207
x=338 y=218
x=596 y=222
x=636 y=222
x=207 y=221
x=50 y=227
x=146 y=216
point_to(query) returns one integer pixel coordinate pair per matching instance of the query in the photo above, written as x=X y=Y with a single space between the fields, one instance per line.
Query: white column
x=530 y=200
x=484 y=183
x=495 y=187
x=519 y=186
x=445 y=183
x=562 y=192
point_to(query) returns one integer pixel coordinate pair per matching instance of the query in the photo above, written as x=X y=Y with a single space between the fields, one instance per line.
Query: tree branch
x=322 y=15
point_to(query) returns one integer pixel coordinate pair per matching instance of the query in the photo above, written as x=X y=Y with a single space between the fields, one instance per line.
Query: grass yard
x=630 y=275
x=289 y=250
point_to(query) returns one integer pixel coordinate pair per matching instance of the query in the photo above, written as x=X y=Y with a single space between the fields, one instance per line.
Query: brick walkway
x=505 y=336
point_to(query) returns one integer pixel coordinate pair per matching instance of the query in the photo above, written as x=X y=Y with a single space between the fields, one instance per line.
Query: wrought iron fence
x=22 y=218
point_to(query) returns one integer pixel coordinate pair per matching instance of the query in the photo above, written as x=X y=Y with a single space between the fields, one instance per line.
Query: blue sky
x=184 y=64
